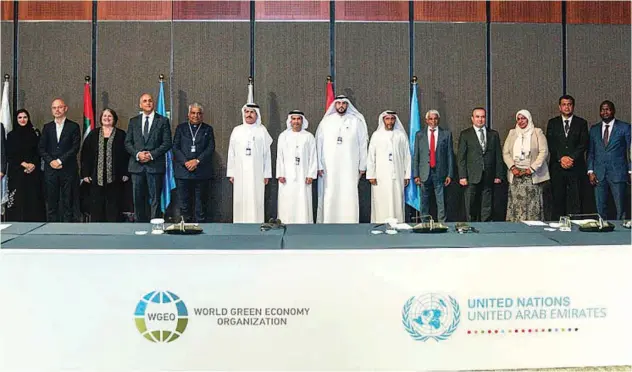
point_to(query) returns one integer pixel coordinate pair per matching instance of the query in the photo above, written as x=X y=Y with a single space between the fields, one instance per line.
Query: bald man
x=148 y=140
x=59 y=146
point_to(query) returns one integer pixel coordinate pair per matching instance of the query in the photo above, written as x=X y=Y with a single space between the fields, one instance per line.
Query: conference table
x=222 y=236
x=113 y=296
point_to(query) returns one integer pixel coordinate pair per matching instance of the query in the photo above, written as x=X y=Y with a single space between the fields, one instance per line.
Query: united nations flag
x=431 y=316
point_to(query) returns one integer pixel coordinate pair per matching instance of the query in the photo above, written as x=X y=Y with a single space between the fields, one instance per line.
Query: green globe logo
x=161 y=316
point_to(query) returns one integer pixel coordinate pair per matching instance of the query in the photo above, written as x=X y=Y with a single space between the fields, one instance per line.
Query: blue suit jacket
x=610 y=162
x=444 y=155
x=204 y=148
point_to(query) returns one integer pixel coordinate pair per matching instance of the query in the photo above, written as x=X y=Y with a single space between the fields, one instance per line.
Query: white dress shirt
x=151 y=119
x=570 y=120
x=477 y=131
x=59 y=127
x=610 y=125
x=142 y=125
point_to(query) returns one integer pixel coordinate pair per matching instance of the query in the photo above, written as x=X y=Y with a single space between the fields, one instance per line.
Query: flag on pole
x=7 y=122
x=5 y=111
x=169 y=181
x=412 y=190
x=330 y=92
x=251 y=90
x=88 y=113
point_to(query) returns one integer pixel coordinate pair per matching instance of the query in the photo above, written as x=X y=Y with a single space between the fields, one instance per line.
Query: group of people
x=335 y=159
x=341 y=153
x=109 y=158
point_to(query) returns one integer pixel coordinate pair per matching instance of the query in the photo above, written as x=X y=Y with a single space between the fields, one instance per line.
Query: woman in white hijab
x=526 y=155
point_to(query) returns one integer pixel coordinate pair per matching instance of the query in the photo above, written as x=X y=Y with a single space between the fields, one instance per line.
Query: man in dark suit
x=148 y=140
x=567 y=137
x=193 y=147
x=58 y=146
x=480 y=165
x=608 y=162
x=433 y=164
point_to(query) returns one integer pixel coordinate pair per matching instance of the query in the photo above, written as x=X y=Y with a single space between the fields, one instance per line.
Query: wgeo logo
x=161 y=316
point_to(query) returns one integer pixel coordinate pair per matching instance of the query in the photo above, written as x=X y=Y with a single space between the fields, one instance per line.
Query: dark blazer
x=610 y=162
x=574 y=145
x=65 y=150
x=158 y=143
x=444 y=155
x=90 y=153
x=472 y=160
x=204 y=148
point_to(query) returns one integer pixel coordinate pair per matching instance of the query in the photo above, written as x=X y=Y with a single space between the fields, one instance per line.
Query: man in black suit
x=567 y=137
x=148 y=140
x=480 y=165
x=193 y=147
x=58 y=146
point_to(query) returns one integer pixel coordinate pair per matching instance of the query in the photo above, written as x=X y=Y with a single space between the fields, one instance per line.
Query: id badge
x=297 y=160
x=339 y=140
x=248 y=152
x=390 y=156
x=193 y=148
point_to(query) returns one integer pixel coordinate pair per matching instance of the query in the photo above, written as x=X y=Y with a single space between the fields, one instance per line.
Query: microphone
x=273 y=224
x=599 y=226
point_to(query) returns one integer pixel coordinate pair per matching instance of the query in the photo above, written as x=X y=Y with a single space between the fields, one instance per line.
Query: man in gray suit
x=481 y=165
x=148 y=140
x=433 y=164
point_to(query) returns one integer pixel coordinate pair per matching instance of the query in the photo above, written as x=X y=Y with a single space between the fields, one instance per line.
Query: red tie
x=433 y=155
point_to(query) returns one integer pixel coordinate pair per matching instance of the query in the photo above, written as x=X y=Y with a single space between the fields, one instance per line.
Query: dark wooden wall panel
x=526 y=11
x=284 y=84
x=450 y=11
x=134 y=10
x=6 y=51
x=604 y=12
x=371 y=10
x=292 y=10
x=55 y=10
x=211 y=10
x=48 y=70
x=216 y=77
x=7 y=10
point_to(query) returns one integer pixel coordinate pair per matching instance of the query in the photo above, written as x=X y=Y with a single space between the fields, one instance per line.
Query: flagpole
x=251 y=90
x=417 y=212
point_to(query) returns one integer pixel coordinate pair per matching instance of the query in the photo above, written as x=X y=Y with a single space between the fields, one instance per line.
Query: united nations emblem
x=431 y=316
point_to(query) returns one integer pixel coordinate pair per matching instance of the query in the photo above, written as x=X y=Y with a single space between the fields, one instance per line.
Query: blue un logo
x=431 y=316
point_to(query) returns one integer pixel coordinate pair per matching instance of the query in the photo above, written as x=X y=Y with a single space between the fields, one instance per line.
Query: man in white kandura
x=296 y=170
x=388 y=168
x=341 y=142
x=249 y=166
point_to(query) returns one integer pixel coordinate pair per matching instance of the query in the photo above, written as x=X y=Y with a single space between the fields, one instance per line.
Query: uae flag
x=88 y=114
x=330 y=92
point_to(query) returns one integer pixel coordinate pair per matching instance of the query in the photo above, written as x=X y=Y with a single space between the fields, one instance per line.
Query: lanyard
x=196 y=132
